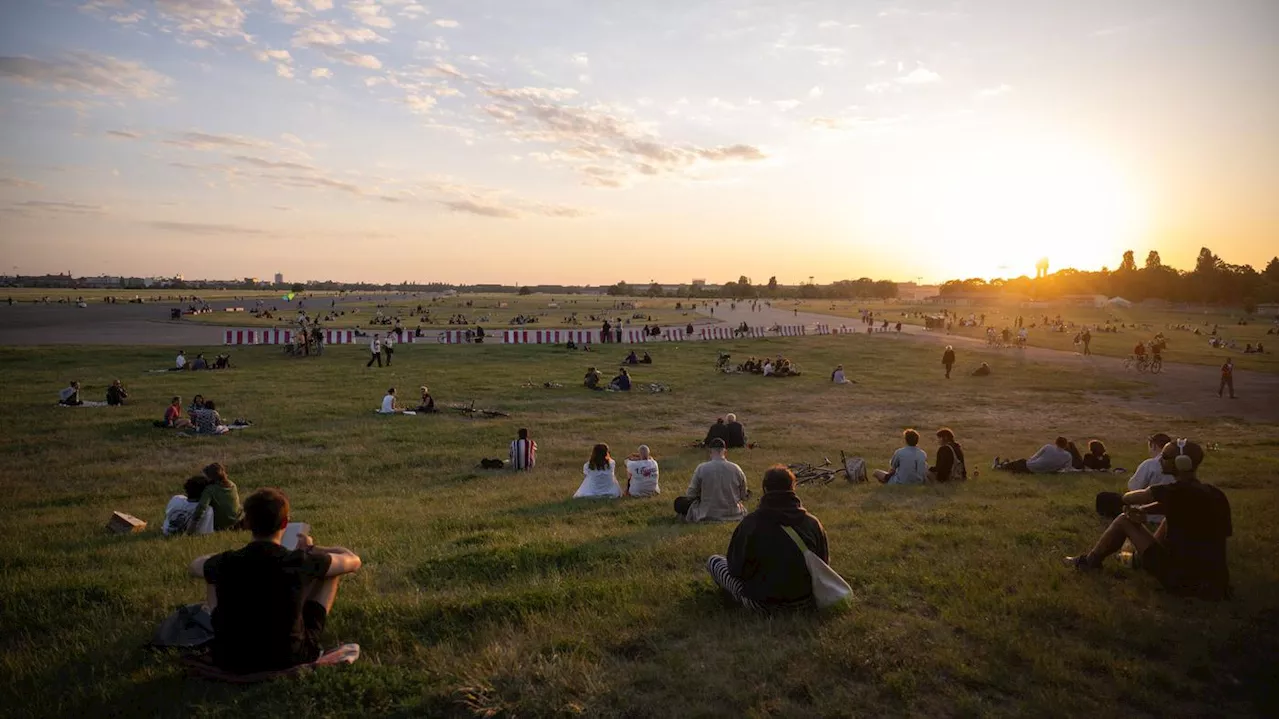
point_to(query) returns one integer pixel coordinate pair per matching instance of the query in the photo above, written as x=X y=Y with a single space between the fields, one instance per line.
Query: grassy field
x=55 y=294
x=487 y=594
x=491 y=310
x=1135 y=325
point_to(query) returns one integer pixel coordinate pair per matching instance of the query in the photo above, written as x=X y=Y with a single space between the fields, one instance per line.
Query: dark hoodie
x=717 y=430
x=735 y=435
x=761 y=554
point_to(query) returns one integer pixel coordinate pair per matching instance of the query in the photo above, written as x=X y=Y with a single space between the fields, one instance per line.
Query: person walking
x=1085 y=339
x=375 y=352
x=389 y=347
x=948 y=359
x=1228 y=369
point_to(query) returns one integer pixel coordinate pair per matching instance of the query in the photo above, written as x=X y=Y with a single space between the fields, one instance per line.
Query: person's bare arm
x=1138 y=496
x=341 y=560
x=196 y=568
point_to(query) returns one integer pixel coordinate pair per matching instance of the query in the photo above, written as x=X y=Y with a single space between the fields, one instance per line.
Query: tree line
x=1213 y=281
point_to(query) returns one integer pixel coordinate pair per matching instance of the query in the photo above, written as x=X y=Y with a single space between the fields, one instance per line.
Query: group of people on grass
x=910 y=464
x=599 y=480
x=180 y=363
x=202 y=417
x=70 y=395
x=764 y=366
x=620 y=383
x=391 y=403
x=1060 y=456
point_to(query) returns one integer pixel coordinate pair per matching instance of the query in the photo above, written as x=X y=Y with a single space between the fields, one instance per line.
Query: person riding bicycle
x=1139 y=351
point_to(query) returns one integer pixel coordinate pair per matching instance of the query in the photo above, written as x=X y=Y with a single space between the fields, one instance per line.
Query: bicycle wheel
x=1128 y=363
x=1144 y=365
x=1156 y=366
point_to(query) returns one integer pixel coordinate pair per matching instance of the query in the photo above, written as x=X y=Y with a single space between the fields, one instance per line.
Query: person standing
x=948 y=359
x=1085 y=339
x=1227 y=382
x=375 y=351
x=389 y=347
x=717 y=490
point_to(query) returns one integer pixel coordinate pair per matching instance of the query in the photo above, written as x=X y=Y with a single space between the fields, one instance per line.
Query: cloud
x=856 y=122
x=202 y=228
x=479 y=208
x=72 y=208
x=19 y=183
x=786 y=105
x=208 y=141
x=322 y=72
x=320 y=5
x=369 y=13
x=216 y=18
x=322 y=34
x=87 y=73
x=125 y=134
x=284 y=71
x=129 y=19
x=269 y=55
x=446 y=23
x=580 y=59
x=996 y=91
x=271 y=164
x=815 y=91
x=919 y=76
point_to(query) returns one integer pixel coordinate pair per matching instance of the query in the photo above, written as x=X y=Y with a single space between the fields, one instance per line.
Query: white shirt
x=598 y=482
x=910 y=465
x=768 y=369
x=389 y=404
x=182 y=361
x=178 y=514
x=1147 y=475
x=375 y=346
x=642 y=477
x=390 y=341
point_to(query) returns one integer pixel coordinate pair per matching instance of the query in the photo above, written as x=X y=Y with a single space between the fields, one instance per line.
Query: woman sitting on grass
x=591 y=380
x=181 y=509
x=207 y=420
x=173 y=416
x=197 y=403
x=428 y=403
x=598 y=479
x=389 y=405
x=1097 y=459
x=621 y=383
x=70 y=395
x=837 y=375
x=221 y=498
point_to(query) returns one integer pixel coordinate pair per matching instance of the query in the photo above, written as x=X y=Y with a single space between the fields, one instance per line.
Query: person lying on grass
x=909 y=463
x=182 y=509
x=270 y=603
x=221 y=498
x=70 y=395
x=764 y=570
x=984 y=370
x=717 y=490
x=597 y=476
x=1047 y=460
x=642 y=474
x=1188 y=552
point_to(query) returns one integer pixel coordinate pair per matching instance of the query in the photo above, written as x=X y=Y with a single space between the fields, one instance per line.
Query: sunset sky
x=586 y=142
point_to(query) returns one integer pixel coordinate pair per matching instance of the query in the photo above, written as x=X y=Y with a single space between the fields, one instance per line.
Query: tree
x=526 y=290
x=1153 y=260
x=773 y=285
x=619 y=290
x=655 y=289
x=1127 y=264
x=1206 y=262
x=1269 y=272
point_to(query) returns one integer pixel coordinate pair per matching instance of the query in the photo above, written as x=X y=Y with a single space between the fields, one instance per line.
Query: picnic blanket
x=83 y=404
x=202 y=666
x=403 y=411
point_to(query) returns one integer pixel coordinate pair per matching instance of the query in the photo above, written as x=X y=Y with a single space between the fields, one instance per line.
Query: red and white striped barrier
x=240 y=337
x=675 y=335
x=635 y=336
x=453 y=337
x=716 y=333
x=339 y=337
x=791 y=331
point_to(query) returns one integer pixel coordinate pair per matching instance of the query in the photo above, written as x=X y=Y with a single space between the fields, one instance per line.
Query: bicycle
x=1141 y=363
x=822 y=474
x=471 y=410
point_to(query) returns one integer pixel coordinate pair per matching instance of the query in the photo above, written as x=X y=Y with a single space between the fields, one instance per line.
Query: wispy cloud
x=87 y=73
x=124 y=134
x=446 y=23
x=19 y=183
x=202 y=228
x=919 y=76
x=996 y=91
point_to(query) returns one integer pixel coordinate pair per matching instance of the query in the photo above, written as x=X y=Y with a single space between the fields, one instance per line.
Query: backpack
x=829 y=588
x=855 y=469
x=189 y=627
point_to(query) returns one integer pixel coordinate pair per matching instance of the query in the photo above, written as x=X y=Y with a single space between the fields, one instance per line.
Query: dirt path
x=1183 y=390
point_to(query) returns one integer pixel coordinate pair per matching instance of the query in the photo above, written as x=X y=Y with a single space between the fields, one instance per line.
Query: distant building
x=911 y=292
x=101 y=282
x=698 y=283
x=279 y=278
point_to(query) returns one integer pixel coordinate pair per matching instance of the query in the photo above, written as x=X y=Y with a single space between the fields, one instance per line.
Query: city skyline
x=572 y=143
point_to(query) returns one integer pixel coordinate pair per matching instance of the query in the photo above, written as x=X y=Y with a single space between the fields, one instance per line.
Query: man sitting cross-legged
x=1188 y=553
x=716 y=492
x=764 y=570
x=269 y=603
x=909 y=464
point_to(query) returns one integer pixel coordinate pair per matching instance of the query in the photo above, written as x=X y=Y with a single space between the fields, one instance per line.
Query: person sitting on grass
x=716 y=431
x=524 y=451
x=908 y=465
x=631 y=358
x=222 y=362
x=735 y=435
x=983 y=370
x=767 y=369
x=1048 y=459
x=197 y=403
x=270 y=603
x=717 y=490
x=199 y=363
x=220 y=498
x=764 y=570
x=591 y=380
x=1188 y=552
x=70 y=395
x=427 y=404
x=1097 y=459
x=646 y=359
x=389 y=403
x=182 y=507
x=642 y=474
x=1148 y=474
x=621 y=383
x=173 y=416
x=116 y=394
x=837 y=376
x=180 y=363
x=949 y=461
x=207 y=420
x=597 y=476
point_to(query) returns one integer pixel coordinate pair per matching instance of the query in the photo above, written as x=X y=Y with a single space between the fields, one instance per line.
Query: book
x=292 y=532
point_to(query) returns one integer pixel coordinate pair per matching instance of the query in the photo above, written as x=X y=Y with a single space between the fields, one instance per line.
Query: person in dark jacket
x=949 y=462
x=116 y=394
x=948 y=359
x=764 y=570
x=735 y=435
x=1097 y=459
x=717 y=431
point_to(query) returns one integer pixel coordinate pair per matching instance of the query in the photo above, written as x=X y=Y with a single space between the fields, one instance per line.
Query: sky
x=592 y=141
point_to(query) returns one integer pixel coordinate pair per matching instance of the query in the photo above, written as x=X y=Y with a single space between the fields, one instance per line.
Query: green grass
x=1139 y=324
x=487 y=594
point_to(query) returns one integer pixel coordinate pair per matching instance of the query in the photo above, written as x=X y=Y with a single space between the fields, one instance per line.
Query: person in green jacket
x=220 y=497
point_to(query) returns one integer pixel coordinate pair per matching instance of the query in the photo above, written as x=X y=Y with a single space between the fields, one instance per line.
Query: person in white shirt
x=909 y=464
x=1149 y=474
x=642 y=474
x=181 y=362
x=597 y=476
x=768 y=367
x=524 y=451
x=389 y=402
x=375 y=352
x=389 y=347
x=182 y=508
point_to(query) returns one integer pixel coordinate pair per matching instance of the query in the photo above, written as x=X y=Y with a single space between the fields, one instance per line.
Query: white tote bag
x=829 y=588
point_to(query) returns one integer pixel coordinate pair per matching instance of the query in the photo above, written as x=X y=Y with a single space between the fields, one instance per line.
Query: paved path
x=1185 y=390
